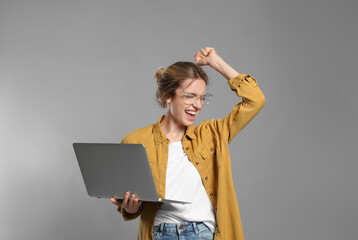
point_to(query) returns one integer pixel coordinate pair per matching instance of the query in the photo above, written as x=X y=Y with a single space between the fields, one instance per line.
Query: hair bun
x=159 y=73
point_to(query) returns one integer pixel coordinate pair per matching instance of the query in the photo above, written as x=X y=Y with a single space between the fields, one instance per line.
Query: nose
x=198 y=104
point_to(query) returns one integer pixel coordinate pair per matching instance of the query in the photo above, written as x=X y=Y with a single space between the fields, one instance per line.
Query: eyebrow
x=203 y=95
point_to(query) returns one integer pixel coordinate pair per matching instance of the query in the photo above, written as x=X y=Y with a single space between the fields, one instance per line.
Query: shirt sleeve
x=245 y=86
x=130 y=216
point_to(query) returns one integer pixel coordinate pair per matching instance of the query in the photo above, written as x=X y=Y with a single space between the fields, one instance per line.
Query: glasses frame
x=195 y=98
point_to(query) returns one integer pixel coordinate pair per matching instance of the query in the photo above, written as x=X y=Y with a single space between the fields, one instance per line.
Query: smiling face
x=181 y=113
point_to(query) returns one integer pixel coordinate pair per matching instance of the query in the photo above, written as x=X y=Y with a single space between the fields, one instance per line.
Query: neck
x=172 y=130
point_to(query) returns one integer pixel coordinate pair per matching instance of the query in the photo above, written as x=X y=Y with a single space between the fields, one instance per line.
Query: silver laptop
x=111 y=169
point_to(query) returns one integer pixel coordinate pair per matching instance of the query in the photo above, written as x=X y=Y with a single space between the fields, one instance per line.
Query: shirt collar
x=190 y=132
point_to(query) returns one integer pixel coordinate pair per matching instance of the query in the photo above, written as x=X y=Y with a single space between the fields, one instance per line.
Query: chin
x=188 y=123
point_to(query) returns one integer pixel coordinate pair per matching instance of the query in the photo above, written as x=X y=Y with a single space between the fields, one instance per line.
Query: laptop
x=111 y=169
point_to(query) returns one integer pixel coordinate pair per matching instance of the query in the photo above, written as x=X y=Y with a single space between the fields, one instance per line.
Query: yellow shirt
x=206 y=146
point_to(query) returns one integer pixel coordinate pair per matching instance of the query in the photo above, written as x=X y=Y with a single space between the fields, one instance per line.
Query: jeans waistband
x=180 y=227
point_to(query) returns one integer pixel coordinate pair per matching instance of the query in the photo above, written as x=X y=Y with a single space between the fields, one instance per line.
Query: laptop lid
x=111 y=169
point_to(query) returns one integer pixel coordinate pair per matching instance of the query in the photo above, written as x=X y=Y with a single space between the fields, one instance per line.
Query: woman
x=192 y=163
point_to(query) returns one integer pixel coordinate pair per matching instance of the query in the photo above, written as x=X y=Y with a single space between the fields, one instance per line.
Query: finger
x=197 y=56
x=199 y=59
x=125 y=198
x=203 y=52
x=137 y=203
x=208 y=49
x=115 y=202
x=200 y=53
x=131 y=201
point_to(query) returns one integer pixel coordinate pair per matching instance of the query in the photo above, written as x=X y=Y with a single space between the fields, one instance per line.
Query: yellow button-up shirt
x=206 y=146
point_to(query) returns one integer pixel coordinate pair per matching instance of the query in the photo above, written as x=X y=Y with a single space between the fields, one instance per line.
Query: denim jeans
x=182 y=231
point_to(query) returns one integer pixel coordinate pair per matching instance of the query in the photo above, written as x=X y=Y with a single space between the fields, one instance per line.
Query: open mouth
x=190 y=115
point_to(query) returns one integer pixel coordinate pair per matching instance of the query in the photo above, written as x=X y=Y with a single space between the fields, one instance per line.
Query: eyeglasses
x=192 y=98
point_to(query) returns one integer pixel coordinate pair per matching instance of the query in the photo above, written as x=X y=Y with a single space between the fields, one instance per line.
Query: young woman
x=192 y=163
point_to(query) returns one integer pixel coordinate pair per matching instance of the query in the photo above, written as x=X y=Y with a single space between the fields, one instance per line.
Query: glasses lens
x=191 y=98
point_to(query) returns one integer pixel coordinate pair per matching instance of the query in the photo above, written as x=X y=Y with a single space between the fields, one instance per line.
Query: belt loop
x=195 y=228
x=177 y=228
x=162 y=227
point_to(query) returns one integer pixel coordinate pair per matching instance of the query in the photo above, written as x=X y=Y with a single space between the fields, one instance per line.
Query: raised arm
x=245 y=86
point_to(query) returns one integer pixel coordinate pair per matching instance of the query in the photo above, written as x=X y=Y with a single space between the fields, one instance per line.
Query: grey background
x=82 y=71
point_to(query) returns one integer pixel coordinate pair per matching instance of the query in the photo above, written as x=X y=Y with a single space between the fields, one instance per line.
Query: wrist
x=225 y=69
x=218 y=64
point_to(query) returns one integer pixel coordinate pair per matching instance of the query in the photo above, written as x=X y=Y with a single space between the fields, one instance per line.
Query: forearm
x=224 y=69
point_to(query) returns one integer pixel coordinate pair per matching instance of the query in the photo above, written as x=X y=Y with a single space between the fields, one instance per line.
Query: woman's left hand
x=206 y=56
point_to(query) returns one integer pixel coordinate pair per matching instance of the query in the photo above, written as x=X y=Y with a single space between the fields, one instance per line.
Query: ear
x=169 y=100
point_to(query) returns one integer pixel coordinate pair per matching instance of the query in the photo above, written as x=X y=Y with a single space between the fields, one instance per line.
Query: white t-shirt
x=183 y=182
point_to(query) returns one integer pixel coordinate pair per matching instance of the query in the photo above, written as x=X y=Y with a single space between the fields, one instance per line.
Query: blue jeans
x=182 y=231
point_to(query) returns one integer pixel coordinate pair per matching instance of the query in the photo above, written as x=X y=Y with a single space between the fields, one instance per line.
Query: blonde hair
x=169 y=79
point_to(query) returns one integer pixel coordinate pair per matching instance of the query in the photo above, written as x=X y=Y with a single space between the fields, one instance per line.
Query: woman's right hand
x=130 y=203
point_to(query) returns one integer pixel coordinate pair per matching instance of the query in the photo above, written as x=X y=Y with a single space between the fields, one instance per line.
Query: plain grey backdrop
x=76 y=70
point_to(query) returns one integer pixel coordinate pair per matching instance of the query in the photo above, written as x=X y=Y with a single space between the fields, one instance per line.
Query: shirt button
x=206 y=178
x=211 y=194
x=187 y=148
x=197 y=163
x=211 y=149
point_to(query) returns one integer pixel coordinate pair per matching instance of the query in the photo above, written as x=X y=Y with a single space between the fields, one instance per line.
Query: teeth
x=191 y=112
